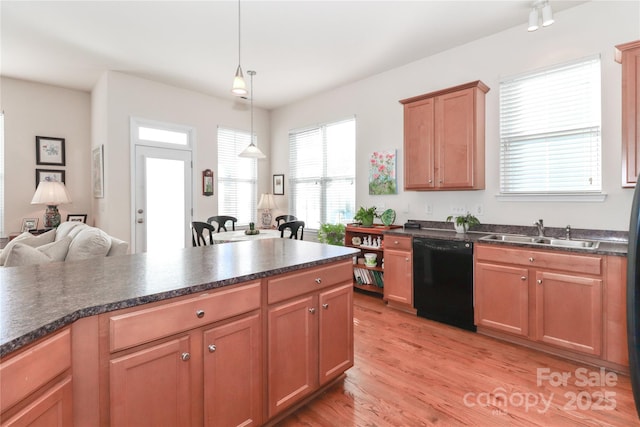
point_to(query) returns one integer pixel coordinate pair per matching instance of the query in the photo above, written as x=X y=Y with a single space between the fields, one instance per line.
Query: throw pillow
x=22 y=254
x=90 y=242
x=28 y=239
x=69 y=228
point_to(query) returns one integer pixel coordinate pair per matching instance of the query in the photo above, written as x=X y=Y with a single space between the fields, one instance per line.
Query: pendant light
x=239 y=86
x=252 y=151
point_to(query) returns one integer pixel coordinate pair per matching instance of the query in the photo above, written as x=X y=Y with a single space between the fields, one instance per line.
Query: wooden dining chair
x=198 y=231
x=294 y=227
x=285 y=218
x=222 y=220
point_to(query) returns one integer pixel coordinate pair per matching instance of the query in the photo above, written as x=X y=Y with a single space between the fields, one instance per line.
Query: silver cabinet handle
x=318 y=280
x=325 y=306
x=312 y=310
x=523 y=278
x=531 y=259
x=200 y=314
x=406 y=259
x=539 y=281
x=185 y=356
x=212 y=348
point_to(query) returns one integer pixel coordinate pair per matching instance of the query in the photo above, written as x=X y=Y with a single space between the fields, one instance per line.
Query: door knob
x=140 y=211
x=140 y=221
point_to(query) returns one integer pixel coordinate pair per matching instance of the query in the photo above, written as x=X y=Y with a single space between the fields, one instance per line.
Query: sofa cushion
x=22 y=254
x=69 y=228
x=90 y=242
x=118 y=247
x=28 y=239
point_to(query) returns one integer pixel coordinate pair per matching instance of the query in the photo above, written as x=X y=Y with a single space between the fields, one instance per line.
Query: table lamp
x=267 y=202
x=52 y=194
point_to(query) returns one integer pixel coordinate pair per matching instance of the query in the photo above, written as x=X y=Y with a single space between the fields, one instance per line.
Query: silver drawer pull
x=200 y=314
x=185 y=356
x=212 y=348
x=539 y=281
x=523 y=278
x=318 y=280
x=312 y=310
x=531 y=259
x=325 y=306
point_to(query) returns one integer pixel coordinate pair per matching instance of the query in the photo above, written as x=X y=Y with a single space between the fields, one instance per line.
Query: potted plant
x=331 y=234
x=464 y=222
x=365 y=216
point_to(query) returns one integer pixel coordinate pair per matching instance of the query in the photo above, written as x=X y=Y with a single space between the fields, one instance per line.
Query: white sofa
x=69 y=242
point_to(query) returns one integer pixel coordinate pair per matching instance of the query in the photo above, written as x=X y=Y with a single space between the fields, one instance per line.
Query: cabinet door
x=233 y=374
x=630 y=59
x=569 y=311
x=398 y=273
x=292 y=352
x=419 y=145
x=454 y=139
x=151 y=387
x=52 y=409
x=336 y=332
x=502 y=298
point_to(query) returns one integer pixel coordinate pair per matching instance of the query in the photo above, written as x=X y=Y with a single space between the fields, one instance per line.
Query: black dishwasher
x=443 y=281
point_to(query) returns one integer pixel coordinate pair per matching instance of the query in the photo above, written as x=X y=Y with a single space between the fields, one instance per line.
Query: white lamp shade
x=52 y=193
x=547 y=15
x=253 y=152
x=239 y=86
x=267 y=201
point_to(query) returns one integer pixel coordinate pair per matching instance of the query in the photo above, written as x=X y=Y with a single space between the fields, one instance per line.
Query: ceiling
x=298 y=48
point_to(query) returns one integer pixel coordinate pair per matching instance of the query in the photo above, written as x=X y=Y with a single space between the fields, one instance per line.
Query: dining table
x=240 y=235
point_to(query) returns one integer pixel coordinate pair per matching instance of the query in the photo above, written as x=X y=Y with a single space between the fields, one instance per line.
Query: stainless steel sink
x=542 y=241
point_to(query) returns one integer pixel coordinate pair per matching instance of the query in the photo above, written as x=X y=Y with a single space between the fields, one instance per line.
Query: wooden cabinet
x=310 y=333
x=548 y=297
x=36 y=384
x=628 y=55
x=368 y=278
x=398 y=272
x=444 y=135
x=196 y=361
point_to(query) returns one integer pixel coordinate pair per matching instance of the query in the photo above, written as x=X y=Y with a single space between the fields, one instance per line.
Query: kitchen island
x=127 y=321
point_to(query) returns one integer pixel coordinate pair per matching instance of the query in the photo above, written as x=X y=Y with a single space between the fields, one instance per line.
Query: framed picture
x=29 y=224
x=278 y=184
x=77 y=217
x=49 y=151
x=207 y=182
x=49 y=175
x=98 y=172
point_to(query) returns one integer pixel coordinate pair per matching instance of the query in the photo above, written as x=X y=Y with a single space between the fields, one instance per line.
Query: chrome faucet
x=540 y=226
x=568 y=232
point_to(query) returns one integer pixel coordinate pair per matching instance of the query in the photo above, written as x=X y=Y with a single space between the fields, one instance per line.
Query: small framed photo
x=278 y=184
x=98 y=172
x=207 y=182
x=29 y=224
x=49 y=175
x=49 y=151
x=77 y=217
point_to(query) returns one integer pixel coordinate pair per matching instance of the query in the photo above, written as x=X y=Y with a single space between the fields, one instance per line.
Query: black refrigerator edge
x=633 y=297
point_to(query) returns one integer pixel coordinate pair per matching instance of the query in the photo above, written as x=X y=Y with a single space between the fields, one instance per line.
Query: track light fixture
x=540 y=7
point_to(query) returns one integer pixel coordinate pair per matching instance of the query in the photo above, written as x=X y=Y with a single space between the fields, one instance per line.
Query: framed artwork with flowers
x=382 y=173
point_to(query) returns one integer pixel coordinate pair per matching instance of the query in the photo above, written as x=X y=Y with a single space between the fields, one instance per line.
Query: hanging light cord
x=238 y=32
x=251 y=73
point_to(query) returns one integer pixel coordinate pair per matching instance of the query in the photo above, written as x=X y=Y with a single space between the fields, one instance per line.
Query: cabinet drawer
x=396 y=242
x=141 y=326
x=309 y=280
x=33 y=368
x=556 y=260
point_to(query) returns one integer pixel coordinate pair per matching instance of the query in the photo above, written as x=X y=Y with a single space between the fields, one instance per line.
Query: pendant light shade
x=239 y=87
x=252 y=151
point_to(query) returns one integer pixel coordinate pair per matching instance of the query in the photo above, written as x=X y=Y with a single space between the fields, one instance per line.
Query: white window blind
x=550 y=130
x=322 y=173
x=237 y=177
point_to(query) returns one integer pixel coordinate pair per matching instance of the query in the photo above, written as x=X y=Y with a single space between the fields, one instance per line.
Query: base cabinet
x=310 y=334
x=398 y=272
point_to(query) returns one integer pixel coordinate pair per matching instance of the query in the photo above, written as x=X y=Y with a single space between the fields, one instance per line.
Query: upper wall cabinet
x=628 y=55
x=444 y=139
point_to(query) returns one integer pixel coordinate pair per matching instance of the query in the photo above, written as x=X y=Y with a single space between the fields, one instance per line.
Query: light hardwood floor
x=411 y=371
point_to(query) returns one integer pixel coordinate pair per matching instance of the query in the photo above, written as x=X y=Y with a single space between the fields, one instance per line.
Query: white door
x=163 y=199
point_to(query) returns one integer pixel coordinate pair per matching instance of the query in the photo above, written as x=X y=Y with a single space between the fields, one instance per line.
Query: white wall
x=592 y=28
x=34 y=109
x=117 y=97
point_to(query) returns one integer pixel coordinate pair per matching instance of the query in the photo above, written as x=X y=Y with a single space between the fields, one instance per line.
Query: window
x=322 y=173
x=550 y=130
x=237 y=176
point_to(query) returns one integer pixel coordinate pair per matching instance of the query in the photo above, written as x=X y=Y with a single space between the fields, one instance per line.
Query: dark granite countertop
x=611 y=242
x=38 y=300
